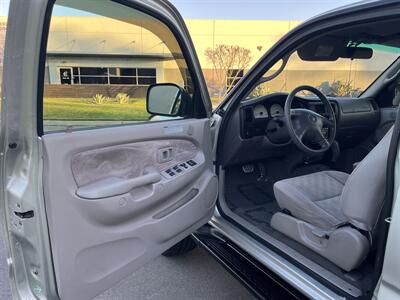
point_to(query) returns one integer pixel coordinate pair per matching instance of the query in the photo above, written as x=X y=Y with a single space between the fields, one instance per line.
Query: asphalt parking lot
x=195 y=275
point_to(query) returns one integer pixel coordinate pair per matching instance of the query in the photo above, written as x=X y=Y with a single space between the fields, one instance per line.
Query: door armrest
x=114 y=186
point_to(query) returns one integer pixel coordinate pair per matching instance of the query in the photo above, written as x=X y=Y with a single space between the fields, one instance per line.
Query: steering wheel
x=306 y=126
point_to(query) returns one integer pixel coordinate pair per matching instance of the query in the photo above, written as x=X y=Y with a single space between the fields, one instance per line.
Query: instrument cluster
x=261 y=111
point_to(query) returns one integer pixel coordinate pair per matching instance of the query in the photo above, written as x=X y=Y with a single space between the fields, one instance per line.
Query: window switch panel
x=179 y=169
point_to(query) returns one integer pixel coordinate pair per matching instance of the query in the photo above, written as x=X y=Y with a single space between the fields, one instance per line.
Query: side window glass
x=101 y=60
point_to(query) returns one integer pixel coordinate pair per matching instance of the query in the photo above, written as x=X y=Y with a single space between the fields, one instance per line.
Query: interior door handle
x=113 y=186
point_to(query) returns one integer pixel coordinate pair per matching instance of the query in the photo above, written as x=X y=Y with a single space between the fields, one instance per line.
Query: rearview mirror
x=166 y=99
x=358 y=53
x=331 y=49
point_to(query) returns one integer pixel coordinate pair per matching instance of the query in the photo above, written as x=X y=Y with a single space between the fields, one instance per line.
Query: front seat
x=334 y=213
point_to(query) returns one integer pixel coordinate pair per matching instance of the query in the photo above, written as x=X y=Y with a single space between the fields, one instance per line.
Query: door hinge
x=25 y=215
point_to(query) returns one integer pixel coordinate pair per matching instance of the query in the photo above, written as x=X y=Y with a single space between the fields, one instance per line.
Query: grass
x=85 y=109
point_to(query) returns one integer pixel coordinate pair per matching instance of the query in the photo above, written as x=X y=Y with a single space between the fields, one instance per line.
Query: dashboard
x=262 y=129
x=266 y=116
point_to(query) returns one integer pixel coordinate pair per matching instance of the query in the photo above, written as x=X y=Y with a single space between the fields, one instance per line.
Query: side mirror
x=166 y=99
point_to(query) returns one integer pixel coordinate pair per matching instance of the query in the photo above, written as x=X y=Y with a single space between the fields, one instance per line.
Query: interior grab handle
x=114 y=186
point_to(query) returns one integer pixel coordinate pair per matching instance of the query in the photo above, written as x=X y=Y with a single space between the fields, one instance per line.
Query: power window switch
x=191 y=163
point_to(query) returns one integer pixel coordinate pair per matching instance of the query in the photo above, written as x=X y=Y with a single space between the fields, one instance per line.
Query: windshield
x=341 y=78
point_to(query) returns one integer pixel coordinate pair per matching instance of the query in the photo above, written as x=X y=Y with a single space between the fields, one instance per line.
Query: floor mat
x=247 y=190
x=254 y=193
x=259 y=215
x=251 y=196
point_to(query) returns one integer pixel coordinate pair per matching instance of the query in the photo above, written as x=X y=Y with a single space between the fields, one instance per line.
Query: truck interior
x=315 y=196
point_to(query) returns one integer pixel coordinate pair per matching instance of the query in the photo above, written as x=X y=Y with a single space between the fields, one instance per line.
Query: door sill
x=292 y=274
x=260 y=281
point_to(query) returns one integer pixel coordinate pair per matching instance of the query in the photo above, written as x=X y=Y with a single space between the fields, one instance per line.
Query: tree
x=228 y=61
x=339 y=89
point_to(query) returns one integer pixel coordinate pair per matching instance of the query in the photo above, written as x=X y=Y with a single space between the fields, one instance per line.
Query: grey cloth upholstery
x=319 y=202
x=364 y=192
x=314 y=198
x=329 y=198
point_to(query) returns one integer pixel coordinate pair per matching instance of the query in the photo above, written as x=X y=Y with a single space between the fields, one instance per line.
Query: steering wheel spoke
x=321 y=140
x=301 y=132
x=327 y=122
x=299 y=122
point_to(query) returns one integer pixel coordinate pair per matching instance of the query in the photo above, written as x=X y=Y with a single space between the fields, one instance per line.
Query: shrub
x=122 y=98
x=99 y=99
x=260 y=90
x=339 y=89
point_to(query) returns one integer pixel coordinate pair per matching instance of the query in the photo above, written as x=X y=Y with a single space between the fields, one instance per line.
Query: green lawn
x=85 y=109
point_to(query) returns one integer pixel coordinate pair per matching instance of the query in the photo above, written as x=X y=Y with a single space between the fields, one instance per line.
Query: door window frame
x=199 y=109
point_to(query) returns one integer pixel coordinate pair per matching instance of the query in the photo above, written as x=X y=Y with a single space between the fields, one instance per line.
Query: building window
x=233 y=76
x=147 y=76
x=122 y=76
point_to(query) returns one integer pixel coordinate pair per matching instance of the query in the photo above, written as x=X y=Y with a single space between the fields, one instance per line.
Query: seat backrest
x=364 y=191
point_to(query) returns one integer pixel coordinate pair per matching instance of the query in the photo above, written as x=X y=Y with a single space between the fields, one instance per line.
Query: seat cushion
x=314 y=198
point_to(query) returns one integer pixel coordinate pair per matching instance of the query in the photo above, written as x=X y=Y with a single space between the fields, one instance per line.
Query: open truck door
x=85 y=207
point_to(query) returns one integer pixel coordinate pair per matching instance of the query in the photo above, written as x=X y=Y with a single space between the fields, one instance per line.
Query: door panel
x=112 y=206
x=84 y=209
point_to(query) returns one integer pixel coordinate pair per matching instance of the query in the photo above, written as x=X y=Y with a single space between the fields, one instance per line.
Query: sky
x=241 y=9
x=255 y=9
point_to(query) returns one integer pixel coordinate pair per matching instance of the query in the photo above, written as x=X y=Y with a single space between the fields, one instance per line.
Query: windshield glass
x=343 y=77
